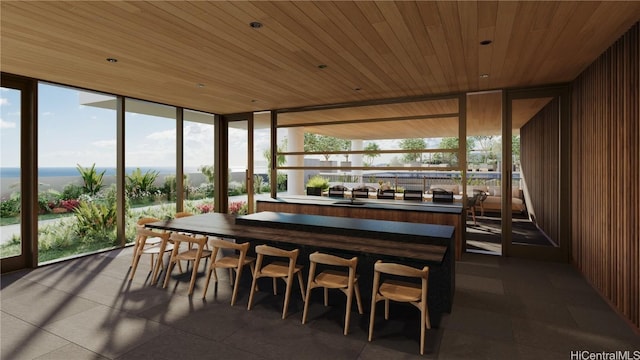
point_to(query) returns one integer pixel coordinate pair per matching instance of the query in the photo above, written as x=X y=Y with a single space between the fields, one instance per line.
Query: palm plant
x=91 y=178
x=138 y=183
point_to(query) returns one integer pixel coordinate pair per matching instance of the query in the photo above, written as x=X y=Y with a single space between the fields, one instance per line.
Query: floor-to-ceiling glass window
x=10 y=234
x=198 y=164
x=484 y=176
x=262 y=154
x=239 y=166
x=76 y=172
x=150 y=161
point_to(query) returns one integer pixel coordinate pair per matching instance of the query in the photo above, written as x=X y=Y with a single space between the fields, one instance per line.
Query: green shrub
x=11 y=206
x=71 y=192
x=139 y=183
x=96 y=220
x=318 y=181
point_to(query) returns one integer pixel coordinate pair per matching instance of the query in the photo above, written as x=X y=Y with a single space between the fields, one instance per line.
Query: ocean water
x=13 y=172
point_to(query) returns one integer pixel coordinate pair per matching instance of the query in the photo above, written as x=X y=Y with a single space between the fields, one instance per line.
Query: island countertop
x=400 y=205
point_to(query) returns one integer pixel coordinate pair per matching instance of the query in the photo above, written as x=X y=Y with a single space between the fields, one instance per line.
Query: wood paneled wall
x=606 y=173
x=540 y=156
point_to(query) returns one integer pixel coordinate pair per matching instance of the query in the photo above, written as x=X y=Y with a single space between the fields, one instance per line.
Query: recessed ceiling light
x=484 y=76
x=200 y=85
x=112 y=60
x=485 y=42
x=357 y=89
x=254 y=100
x=322 y=66
x=255 y=24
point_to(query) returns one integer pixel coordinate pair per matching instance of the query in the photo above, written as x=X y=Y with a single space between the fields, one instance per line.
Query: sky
x=71 y=133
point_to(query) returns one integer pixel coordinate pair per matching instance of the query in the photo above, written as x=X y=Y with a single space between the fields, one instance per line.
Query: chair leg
x=422 y=331
x=287 y=296
x=206 y=284
x=168 y=274
x=252 y=291
x=194 y=274
x=347 y=315
x=358 y=298
x=275 y=287
x=306 y=298
x=326 y=297
x=372 y=315
x=386 y=309
x=136 y=259
x=235 y=285
x=301 y=284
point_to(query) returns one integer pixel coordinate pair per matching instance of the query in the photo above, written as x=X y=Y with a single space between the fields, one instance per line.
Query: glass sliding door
x=240 y=157
x=539 y=165
x=76 y=172
x=10 y=174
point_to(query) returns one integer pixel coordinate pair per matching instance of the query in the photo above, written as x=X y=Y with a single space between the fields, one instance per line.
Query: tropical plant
x=138 y=183
x=238 y=207
x=71 y=191
x=91 y=178
x=96 y=220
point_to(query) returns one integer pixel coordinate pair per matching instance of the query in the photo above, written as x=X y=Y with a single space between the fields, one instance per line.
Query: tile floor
x=503 y=309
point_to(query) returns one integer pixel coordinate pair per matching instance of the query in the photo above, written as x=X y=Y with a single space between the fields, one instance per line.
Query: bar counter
x=389 y=210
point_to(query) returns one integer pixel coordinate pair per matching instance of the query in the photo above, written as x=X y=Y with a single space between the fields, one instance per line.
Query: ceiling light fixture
x=485 y=42
x=484 y=76
x=200 y=85
x=112 y=60
x=357 y=89
x=322 y=66
x=255 y=24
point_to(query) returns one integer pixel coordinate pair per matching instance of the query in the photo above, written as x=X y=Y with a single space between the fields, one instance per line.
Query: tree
x=346 y=146
x=485 y=144
x=322 y=144
x=375 y=148
x=280 y=160
x=412 y=144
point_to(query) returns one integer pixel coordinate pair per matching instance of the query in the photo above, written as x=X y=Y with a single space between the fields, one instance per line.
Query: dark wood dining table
x=370 y=240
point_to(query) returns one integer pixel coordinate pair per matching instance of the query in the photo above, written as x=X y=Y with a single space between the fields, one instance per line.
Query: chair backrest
x=177 y=238
x=143 y=233
x=219 y=244
x=274 y=251
x=387 y=194
x=337 y=191
x=360 y=193
x=146 y=220
x=327 y=259
x=482 y=195
x=473 y=201
x=401 y=270
x=440 y=195
x=413 y=195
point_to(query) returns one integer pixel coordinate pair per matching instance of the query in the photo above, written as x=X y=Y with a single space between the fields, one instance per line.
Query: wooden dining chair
x=400 y=291
x=194 y=254
x=277 y=270
x=141 y=247
x=234 y=262
x=347 y=282
x=149 y=241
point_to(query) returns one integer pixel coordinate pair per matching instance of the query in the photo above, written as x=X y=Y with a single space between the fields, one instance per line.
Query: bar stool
x=191 y=254
x=402 y=292
x=275 y=270
x=347 y=282
x=234 y=262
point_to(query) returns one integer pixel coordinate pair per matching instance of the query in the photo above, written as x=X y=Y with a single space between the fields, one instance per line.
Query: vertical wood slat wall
x=606 y=172
x=540 y=156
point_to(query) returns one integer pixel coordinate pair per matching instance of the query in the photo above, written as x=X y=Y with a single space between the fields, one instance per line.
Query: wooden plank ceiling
x=205 y=56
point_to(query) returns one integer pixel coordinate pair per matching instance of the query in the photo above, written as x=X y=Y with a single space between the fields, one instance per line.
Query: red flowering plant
x=70 y=205
x=205 y=208
x=238 y=207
